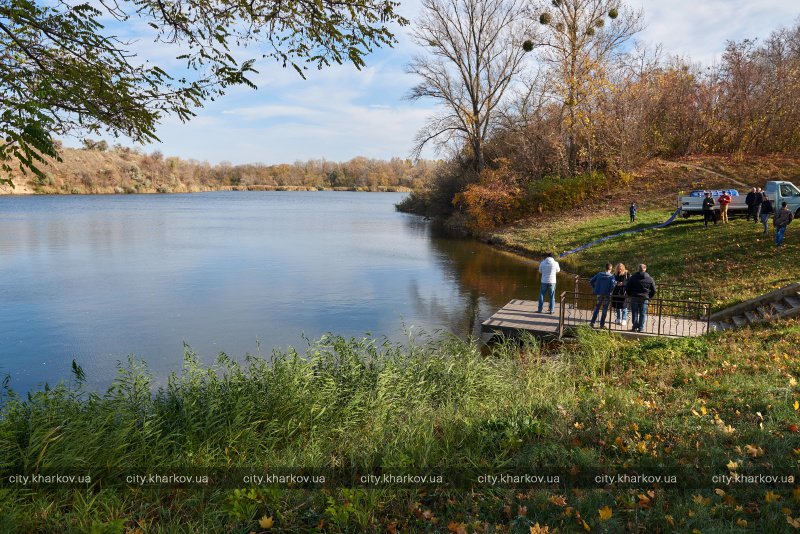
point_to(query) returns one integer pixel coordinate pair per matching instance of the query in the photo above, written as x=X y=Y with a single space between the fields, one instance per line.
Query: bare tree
x=476 y=49
x=582 y=35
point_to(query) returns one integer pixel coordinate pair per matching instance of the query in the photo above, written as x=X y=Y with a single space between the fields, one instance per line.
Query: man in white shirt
x=548 y=267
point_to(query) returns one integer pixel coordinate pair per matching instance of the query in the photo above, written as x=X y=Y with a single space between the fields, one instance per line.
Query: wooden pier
x=521 y=316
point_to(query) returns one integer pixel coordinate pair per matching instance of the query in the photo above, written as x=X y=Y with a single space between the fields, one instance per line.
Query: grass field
x=701 y=407
x=732 y=262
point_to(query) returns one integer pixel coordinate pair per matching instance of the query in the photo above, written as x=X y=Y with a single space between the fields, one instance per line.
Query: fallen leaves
x=605 y=513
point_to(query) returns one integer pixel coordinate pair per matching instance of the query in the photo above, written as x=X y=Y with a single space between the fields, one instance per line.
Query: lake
x=99 y=278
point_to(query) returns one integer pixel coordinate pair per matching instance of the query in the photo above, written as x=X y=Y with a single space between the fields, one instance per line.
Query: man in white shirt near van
x=548 y=267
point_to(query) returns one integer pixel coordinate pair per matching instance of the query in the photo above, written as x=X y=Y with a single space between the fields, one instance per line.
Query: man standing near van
x=708 y=210
x=549 y=267
x=783 y=218
x=750 y=200
x=724 y=200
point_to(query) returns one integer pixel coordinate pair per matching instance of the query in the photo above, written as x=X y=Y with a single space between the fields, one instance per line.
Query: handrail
x=693 y=291
x=664 y=316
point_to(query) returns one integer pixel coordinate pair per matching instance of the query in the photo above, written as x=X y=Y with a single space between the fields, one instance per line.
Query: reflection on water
x=97 y=278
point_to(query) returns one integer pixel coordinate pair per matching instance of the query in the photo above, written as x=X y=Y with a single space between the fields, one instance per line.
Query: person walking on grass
x=750 y=200
x=765 y=211
x=603 y=284
x=618 y=296
x=549 y=267
x=724 y=200
x=632 y=211
x=708 y=210
x=641 y=288
x=783 y=219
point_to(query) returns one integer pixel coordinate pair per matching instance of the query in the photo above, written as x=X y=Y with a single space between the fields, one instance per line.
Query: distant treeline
x=98 y=168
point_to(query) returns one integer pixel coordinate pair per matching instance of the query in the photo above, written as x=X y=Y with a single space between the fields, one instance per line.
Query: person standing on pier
x=549 y=267
x=640 y=288
x=603 y=283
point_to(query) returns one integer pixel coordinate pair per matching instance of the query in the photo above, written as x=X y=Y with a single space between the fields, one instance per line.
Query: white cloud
x=700 y=29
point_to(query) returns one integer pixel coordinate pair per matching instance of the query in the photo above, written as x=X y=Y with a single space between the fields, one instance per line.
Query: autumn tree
x=62 y=72
x=475 y=50
x=581 y=36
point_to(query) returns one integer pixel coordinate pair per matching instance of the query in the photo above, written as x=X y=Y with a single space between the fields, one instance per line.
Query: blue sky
x=340 y=112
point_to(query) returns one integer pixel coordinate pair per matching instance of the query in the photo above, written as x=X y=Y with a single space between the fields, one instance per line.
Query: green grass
x=732 y=262
x=602 y=402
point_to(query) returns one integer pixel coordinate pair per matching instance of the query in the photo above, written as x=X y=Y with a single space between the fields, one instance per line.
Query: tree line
x=98 y=168
x=561 y=91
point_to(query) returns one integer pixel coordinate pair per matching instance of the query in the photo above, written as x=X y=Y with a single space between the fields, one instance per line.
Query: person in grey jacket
x=640 y=288
x=603 y=284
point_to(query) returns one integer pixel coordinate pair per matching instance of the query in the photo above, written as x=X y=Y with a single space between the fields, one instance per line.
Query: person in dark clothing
x=750 y=200
x=603 y=284
x=640 y=288
x=618 y=296
x=632 y=210
x=757 y=204
x=783 y=219
x=708 y=210
x=765 y=212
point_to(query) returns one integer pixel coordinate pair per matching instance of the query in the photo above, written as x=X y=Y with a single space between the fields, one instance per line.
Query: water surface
x=98 y=278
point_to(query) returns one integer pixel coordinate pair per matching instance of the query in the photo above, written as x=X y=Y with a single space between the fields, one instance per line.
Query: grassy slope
x=733 y=262
x=657 y=182
x=668 y=404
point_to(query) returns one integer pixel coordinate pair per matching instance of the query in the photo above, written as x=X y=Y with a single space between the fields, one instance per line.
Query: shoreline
x=26 y=191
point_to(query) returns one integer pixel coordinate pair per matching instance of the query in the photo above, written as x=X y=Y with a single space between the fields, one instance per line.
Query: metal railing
x=666 y=290
x=664 y=316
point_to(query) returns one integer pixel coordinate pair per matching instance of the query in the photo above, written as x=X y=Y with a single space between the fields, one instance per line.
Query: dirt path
x=715 y=173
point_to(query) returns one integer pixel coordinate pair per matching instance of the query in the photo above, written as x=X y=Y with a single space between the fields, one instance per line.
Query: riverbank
x=7 y=191
x=733 y=262
x=690 y=408
x=118 y=170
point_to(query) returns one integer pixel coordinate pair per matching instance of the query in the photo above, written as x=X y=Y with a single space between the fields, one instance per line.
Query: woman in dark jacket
x=618 y=296
x=766 y=212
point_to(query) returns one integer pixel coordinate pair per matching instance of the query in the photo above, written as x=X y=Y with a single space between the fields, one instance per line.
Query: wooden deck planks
x=520 y=315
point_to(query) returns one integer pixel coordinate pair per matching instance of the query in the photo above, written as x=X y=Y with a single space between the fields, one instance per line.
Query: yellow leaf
x=266 y=522
x=795 y=523
x=720 y=492
x=670 y=520
x=732 y=465
x=641 y=447
x=703 y=410
x=742 y=523
x=605 y=513
x=699 y=499
x=586 y=526
x=771 y=497
x=536 y=529
x=558 y=500
x=797 y=405
x=753 y=451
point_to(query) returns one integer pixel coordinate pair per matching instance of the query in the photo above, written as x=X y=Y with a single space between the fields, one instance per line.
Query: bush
x=550 y=193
